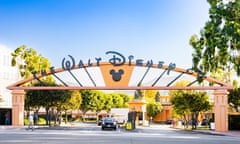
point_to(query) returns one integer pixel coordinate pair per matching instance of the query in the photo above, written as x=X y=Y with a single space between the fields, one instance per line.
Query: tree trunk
x=84 y=114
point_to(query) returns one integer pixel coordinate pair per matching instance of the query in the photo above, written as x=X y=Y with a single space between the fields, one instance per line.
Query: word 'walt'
x=116 y=59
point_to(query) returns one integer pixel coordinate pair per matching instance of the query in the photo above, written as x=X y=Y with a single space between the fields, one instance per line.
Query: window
x=6 y=60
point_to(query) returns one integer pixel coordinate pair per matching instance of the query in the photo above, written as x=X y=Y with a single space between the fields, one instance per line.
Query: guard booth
x=137 y=111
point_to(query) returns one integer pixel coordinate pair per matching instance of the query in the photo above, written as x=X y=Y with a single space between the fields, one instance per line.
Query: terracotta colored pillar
x=18 y=107
x=221 y=110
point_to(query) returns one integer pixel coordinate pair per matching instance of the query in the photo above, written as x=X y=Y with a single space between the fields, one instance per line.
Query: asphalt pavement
x=140 y=129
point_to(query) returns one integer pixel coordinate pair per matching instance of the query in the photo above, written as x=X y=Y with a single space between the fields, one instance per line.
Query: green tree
x=85 y=101
x=35 y=99
x=222 y=75
x=179 y=83
x=73 y=103
x=180 y=104
x=153 y=108
x=198 y=101
x=117 y=101
x=235 y=84
x=120 y=100
x=187 y=102
x=29 y=61
x=108 y=102
x=150 y=94
x=139 y=94
x=218 y=45
x=157 y=96
x=190 y=102
x=92 y=100
x=51 y=100
x=234 y=98
x=97 y=101
x=58 y=99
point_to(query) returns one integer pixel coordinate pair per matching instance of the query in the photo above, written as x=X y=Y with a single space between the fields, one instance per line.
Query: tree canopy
x=191 y=101
x=185 y=102
x=139 y=94
x=218 y=46
x=153 y=108
x=97 y=100
x=234 y=98
x=29 y=61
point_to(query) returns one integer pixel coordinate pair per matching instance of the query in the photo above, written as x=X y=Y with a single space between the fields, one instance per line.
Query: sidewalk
x=11 y=127
x=209 y=132
x=52 y=127
x=212 y=132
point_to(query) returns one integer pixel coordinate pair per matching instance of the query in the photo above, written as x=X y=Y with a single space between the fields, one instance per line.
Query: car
x=169 y=121
x=109 y=123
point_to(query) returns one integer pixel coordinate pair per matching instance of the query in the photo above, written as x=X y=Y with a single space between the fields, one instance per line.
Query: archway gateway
x=122 y=73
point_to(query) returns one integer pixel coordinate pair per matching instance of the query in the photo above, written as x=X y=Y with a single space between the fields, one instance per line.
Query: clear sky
x=150 y=29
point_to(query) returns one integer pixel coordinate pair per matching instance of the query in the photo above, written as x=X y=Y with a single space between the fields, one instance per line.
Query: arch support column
x=221 y=110
x=18 y=107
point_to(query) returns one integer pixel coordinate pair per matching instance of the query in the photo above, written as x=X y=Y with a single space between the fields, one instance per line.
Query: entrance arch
x=118 y=75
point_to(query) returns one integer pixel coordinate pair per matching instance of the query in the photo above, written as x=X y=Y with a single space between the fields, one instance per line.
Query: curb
x=210 y=133
x=207 y=132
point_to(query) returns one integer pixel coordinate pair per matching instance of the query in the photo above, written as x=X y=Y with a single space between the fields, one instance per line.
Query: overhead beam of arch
x=118 y=77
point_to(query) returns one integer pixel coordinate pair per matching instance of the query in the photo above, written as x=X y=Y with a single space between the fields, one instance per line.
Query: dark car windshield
x=109 y=120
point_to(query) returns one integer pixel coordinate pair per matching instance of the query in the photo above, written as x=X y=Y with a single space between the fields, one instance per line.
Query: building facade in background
x=8 y=75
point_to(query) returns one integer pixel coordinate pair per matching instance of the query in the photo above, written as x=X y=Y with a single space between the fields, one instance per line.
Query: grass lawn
x=190 y=127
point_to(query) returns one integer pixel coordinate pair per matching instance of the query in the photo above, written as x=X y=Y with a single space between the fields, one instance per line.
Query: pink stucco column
x=18 y=107
x=221 y=110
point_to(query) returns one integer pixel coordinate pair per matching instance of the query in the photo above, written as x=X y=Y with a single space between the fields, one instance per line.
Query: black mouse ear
x=112 y=71
x=120 y=71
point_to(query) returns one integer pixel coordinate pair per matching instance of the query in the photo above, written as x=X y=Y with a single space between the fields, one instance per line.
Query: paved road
x=92 y=134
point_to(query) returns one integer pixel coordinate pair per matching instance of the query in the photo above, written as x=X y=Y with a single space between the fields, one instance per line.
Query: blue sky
x=150 y=29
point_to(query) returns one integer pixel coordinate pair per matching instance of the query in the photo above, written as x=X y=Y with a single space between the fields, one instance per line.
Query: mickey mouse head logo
x=116 y=75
